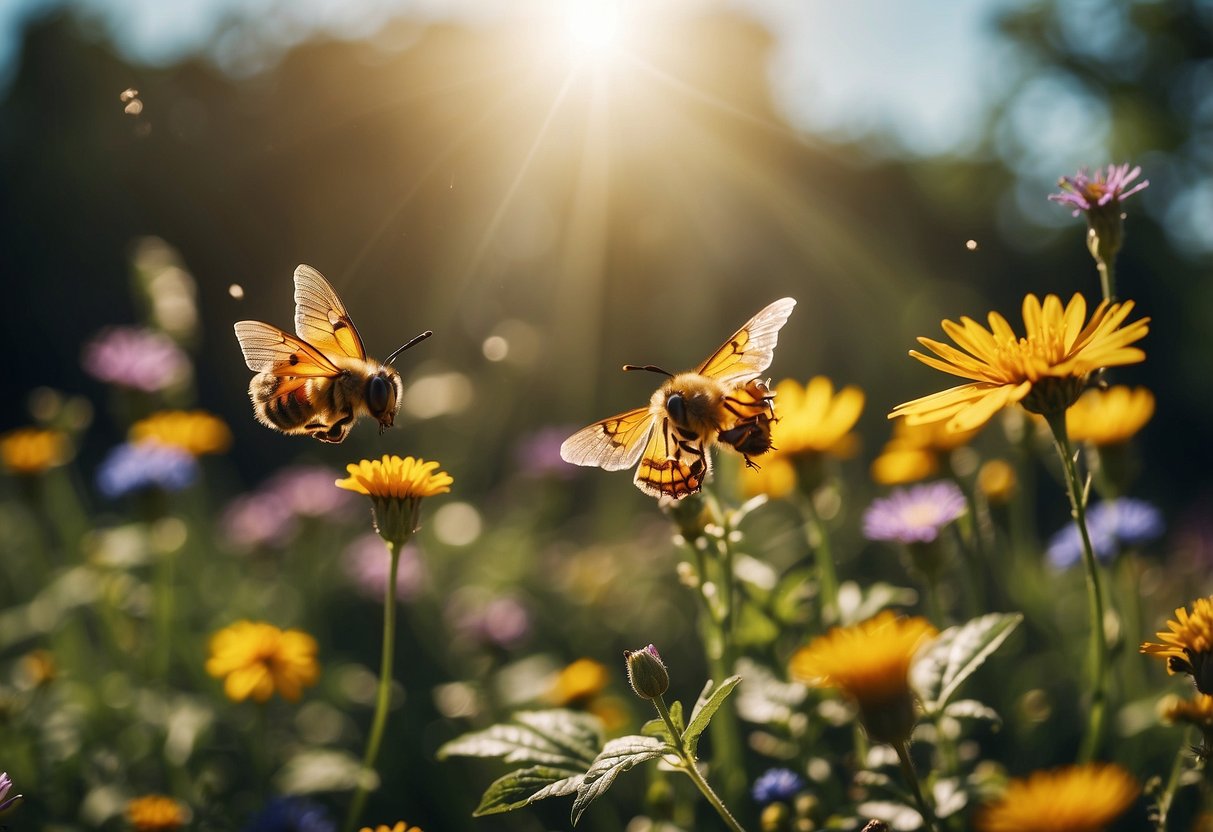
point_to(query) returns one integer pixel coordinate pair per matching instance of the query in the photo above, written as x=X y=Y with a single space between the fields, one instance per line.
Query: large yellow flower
x=1188 y=645
x=33 y=450
x=1083 y=798
x=870 y=661
x=1109 y=417
x=194 y=431
x=155 y=813
x=578 y=683
x=815 y=419
x=256 y=659
x=1045 y=371
x=396 y=486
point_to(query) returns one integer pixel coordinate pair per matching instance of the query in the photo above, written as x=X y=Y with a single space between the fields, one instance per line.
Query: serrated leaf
x=956 y=654
x=709 y=703
x=556 y=738
x=617 y=756
x=971 y=709
x=526 y=786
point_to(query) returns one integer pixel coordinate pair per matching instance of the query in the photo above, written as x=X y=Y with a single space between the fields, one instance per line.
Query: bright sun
x=592 y=27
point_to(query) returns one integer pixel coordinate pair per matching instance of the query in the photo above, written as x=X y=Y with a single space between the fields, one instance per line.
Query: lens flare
x=592 y=27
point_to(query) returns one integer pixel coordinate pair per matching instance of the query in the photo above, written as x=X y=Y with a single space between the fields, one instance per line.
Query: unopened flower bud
x=646 y=673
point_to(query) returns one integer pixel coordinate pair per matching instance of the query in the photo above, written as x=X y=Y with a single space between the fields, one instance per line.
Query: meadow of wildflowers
x=834 y=607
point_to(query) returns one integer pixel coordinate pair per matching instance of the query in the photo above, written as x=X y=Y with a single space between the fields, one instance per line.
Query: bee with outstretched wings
x=320 y=382
x=723 y=400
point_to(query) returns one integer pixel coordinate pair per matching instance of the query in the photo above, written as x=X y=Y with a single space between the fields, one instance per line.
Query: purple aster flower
x=367 y=563
x=777 y=785
x=292 y=814
x=1084 y=193
x=134 y=466
x=1111 y=525
x=141 y=359
x=6 y=785
x=915 y=514
x=255 y=520
x=307 y=490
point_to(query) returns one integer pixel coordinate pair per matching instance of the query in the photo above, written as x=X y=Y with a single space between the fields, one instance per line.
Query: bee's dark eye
x=377 y=395
x=677 y=408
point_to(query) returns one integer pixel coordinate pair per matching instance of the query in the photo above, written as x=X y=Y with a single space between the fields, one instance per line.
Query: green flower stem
x=1167 y=795
x=1099 y=643
x=907 y=770
x=692 y=770
x=827 y=579
x=1107 y=278
x=383 y=695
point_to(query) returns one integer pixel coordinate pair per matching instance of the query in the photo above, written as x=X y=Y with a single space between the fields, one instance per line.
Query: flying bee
x=320 y=382
x=722 y=400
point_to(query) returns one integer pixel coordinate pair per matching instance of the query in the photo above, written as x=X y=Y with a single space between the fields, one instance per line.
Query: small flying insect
x=322 y=381
x=722 y=400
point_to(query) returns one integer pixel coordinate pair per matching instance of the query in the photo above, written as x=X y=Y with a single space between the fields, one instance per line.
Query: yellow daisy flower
x=256 y=659
x=815 y=419
x=1084 y=798
x=869 y=661
x=578 y=683
x=33 y=450
x=194 y=431
x=774 y=477
x=1045 y=371
x=400 y=826
x=1196 y=711
x=1189 y=643
x=912 y=454
x=396 y=486
x=1109 y=417
x=155 y=813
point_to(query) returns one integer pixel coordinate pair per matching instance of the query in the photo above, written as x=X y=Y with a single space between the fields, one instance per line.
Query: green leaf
x=709 y=703
x=617 y=756
x=656 y=727
x=525 y=786
x=557 y=738
x=956 y=653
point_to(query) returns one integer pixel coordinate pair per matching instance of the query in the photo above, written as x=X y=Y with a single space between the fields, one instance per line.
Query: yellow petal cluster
x=814 y=418
x=194 y=431
x=396 y=478
x=869 y=660
x=1187 y=645
x=400 y=826
x=1084 y=798
x=912 y=454
x=33 y=450
x=1045 y=370
x=997 y=480
x=256 y=660
x=578 y=683
x=155 y=813
x=1109 y=417
x=1196 y=711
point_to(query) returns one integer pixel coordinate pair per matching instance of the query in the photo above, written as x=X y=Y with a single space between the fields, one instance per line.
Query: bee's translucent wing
x=613 y=443
x=320 y=316
x=751 y=348
x=267 y=349
x=672 y=467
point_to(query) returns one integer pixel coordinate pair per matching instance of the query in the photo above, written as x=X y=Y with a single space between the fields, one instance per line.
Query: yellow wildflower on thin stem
x=396 y=486
x=1082 y=798
x=257 y=660
x=1045 y=371
x=155 y=813
x=1110 y=417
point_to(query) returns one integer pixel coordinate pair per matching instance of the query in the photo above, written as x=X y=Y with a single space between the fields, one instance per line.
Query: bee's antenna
x=650 y=367
x=411 y=343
